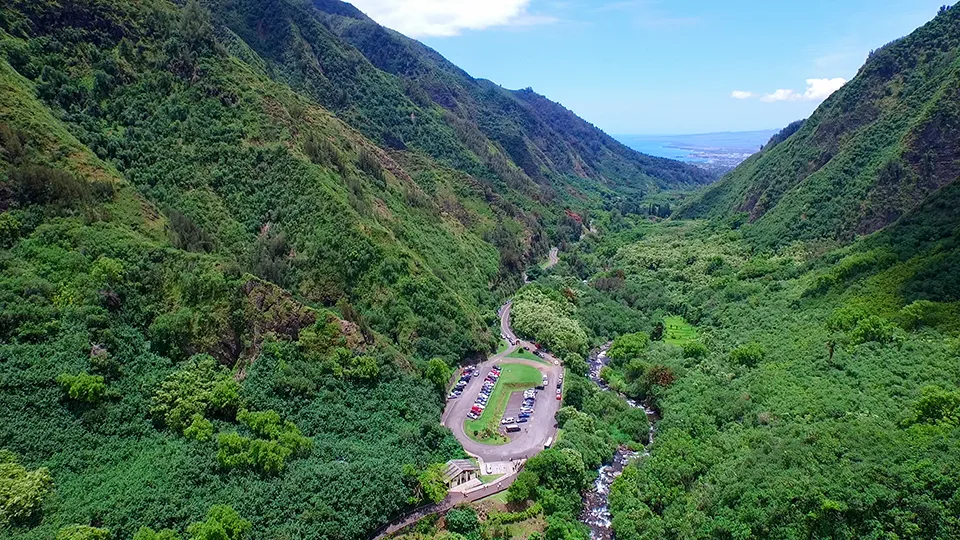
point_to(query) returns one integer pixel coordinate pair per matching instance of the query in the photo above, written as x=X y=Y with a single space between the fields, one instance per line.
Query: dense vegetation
x=816 y=394
x=243 y=242
x=869 y=155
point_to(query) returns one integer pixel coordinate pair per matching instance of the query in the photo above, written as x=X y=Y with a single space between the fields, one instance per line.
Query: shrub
x=515 y=517
x=200 y=428
x=919 y=314
x=22 y=492
x=873 y=329
x=201 y=387
x=83 y=387
x=695 y=350
x=369 y=164
x=748 y=355
x=279 y=442
x=223 y=523
x=36 y=184
x=9 y=229
x=323 y=152
x=463 y=520
x=146 y=533
x=83 y=532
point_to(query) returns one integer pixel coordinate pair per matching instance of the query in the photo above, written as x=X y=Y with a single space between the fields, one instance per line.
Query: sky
x=662 y=66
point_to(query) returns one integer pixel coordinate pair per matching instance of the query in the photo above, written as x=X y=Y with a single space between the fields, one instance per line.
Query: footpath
x=453 y=499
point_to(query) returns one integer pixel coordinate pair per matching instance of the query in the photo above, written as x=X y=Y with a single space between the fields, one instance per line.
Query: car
x=523 y=420
x=559 y=395
x=525 y=415
x=507 y=420
x=559 y=385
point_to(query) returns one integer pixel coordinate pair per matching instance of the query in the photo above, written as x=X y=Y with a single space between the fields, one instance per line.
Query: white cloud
x=742 y=94
x=421 y=18
x=782 y=94
x=817 y=90
x=821 y=89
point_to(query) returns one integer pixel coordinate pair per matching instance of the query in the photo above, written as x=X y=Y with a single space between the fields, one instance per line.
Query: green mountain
x=239 y=256
x=874 y=151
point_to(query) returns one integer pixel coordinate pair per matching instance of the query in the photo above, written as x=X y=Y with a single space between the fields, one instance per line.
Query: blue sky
x=661 y=66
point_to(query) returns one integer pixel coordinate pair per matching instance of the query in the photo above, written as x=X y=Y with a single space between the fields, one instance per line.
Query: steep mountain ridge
x=468 y=123
x=872 y=152
x=239 y=261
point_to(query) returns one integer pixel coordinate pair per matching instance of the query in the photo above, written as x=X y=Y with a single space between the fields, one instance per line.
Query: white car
x=508 y=420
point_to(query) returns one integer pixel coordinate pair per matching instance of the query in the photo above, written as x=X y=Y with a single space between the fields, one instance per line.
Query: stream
x=596 y=510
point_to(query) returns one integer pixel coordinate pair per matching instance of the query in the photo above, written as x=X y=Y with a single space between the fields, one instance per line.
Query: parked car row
x=526 y=409
x=488 y=385
x=468 y=374
x=560 y=388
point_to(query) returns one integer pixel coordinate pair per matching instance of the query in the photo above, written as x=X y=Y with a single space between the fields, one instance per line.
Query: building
x=460 y=471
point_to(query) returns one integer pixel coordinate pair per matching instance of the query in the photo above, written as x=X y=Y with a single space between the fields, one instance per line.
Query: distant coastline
x=715 y=151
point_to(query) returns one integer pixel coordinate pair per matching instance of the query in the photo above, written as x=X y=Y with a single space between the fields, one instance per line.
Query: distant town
x=719 y=152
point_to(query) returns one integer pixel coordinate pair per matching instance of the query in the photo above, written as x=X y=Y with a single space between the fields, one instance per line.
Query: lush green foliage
x=83 y=532
x=790 y=415
x=83 y=387
x=547 y=317
x=870 y=154
x=22 y=492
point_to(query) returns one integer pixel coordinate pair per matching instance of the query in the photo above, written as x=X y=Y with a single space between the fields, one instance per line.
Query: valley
x=269 y=269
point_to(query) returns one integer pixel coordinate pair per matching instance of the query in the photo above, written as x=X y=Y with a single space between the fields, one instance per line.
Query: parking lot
x=541 y=426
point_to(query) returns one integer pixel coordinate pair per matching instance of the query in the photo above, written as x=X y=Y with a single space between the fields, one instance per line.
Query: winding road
x=542 y=425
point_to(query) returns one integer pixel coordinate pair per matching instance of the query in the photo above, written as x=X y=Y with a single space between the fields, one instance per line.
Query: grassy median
x=513 y=378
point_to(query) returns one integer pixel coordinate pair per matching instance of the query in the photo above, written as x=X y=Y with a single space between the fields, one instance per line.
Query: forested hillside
x=870 y=154
x=238 y=260
x=803 y=395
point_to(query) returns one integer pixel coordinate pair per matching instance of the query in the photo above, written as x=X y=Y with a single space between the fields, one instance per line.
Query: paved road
x=535 y=433
x=554 y=257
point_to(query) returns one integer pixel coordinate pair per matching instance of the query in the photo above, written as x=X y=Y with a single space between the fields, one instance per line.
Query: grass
x=523 y=354
x=503 y=346
x=678 y=331
x=513 y=378
x=487 y=478
x=498 y=497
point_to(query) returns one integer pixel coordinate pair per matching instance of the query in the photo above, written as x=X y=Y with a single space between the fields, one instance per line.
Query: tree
x=657 y=333
x=82 y=532
x=437 y=372
x=748 y=355
x=432 y=483
x=9 y=229
x=364 y=368
x=223 y=523
x=576 y=364
x=629 y=346
x=561 y=469
x=562 y=528
x=200 y=387
x=22 y=492
x=463 y=520
x=524 y=488
x=146 y=533
x=83 y=387
x=695 y=350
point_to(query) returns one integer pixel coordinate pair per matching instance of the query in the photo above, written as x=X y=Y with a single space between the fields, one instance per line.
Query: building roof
x=457 y=466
